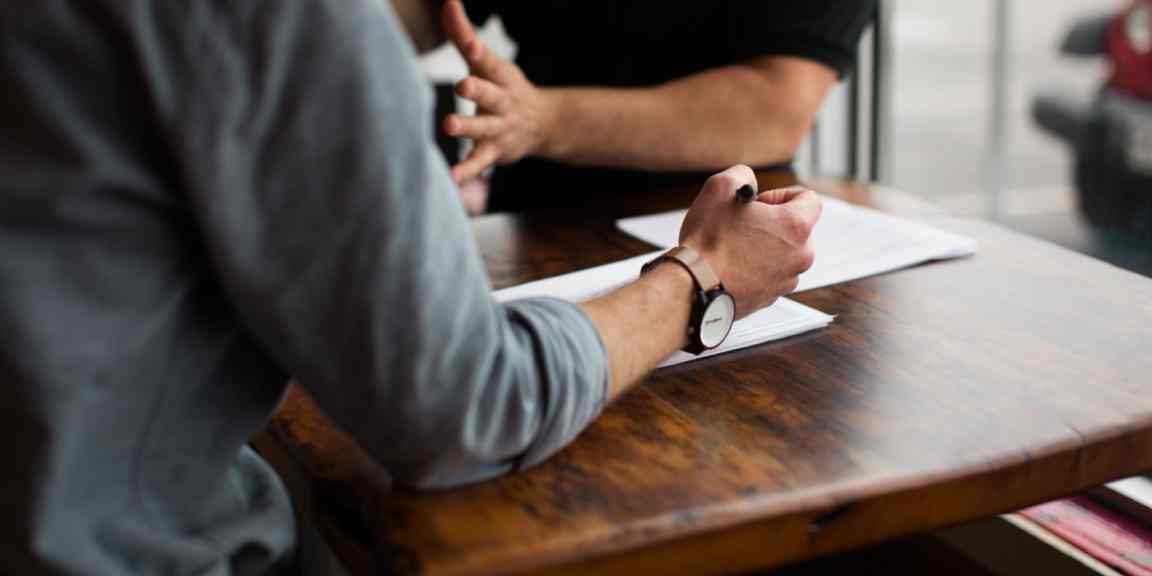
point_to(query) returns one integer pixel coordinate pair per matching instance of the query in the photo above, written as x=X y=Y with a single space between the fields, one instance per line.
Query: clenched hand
x=758 y=250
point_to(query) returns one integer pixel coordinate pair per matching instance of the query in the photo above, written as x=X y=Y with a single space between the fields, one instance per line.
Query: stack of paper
x=784 y=318
x=850 y=241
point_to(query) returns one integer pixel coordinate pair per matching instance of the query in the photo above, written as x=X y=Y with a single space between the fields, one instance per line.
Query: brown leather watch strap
x=691 y=260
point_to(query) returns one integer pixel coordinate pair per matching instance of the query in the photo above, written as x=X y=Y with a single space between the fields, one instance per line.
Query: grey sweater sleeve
x=335 y=229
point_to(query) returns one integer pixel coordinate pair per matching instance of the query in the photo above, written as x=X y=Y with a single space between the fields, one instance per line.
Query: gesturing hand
x=512 y=115
x=758 y=250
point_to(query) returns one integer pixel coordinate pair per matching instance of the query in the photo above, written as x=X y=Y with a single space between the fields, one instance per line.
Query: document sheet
x=850 y=241
x=782 y=319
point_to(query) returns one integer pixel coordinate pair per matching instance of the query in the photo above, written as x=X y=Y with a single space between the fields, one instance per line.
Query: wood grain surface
x=940 y=394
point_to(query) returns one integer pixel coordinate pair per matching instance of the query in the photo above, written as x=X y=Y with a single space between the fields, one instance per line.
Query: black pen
x=746 y=194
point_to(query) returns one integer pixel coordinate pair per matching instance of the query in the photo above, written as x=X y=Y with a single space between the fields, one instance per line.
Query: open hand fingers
x=485 y=63
x=484 y=93
x=481 y=60
x=457 y=26
x=474 y=127
x=481 y=157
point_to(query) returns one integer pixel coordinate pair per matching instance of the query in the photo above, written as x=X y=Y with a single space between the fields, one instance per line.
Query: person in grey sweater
x=199 y=199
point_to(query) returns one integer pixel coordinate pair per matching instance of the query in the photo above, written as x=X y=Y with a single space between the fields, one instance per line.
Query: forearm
x=754 y=114
x=642 y=323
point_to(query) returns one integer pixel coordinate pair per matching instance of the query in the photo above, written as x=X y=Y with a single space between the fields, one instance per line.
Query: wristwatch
x=713 y=308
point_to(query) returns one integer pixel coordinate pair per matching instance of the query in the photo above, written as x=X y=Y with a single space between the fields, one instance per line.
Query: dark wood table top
x=942 y=393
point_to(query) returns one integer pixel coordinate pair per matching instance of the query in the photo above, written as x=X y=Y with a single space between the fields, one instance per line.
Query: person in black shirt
x=607 y=96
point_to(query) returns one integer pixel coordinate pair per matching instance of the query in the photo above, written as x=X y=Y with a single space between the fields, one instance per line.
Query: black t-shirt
x=622 y=44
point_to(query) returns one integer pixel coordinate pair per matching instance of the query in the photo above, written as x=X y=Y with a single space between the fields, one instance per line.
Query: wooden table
x=943 y=393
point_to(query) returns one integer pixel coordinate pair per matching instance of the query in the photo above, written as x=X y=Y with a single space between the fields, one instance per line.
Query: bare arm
x=757 y=112
x=656 y=306
x=754 y=112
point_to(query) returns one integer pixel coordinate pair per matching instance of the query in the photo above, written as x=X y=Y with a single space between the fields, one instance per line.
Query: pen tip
x=746 y=193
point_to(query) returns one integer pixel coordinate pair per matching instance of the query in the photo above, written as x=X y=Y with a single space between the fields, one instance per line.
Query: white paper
x=850 y=242
x=1137 y=488
x=782 y=319
x=583 y=284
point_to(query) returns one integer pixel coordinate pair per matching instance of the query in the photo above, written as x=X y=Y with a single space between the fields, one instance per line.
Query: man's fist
x=757 y=249
x=513 y=116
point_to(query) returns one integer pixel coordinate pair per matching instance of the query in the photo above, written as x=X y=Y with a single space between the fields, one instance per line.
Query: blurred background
x=958 y=88
x=951 y=144
x=942 y=99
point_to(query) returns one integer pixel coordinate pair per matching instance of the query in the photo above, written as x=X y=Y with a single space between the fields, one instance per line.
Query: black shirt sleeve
x=602 y=43
x=825 y=31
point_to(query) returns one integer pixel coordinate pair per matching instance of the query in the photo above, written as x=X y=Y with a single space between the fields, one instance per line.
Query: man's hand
x=513 y=116
x=759 y=249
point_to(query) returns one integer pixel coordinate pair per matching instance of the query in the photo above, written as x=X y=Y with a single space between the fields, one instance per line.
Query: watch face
x=718 y=319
